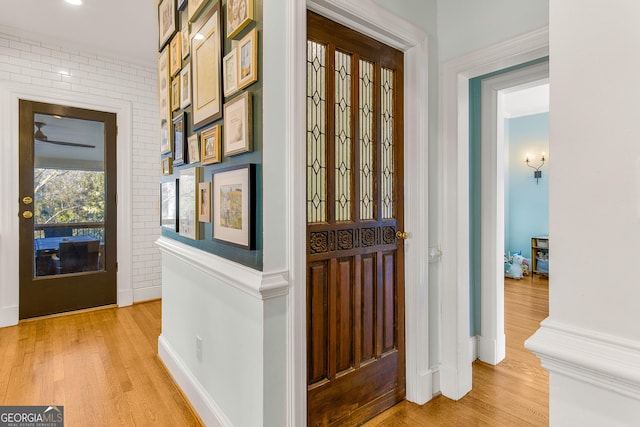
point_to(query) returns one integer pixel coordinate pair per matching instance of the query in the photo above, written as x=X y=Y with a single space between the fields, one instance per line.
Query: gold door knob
x=27 y=200
x=401 y=235
x=27 y=214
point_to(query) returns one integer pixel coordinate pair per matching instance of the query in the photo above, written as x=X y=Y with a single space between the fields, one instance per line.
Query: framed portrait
x=186 y=43
x=175 y=58
x=239 y=15
x=194 y=8
x=167 y=166
x=206 y=58
x=233 y=205
x=238 y=125
x=179 y=139
x=248 y=59
x=230 y=72
x=182 y=4
x=169 y=205
x=193 y=147
x=175 y=93
x=164 y=103
x=167 y=21
x=188 y=203
x=185 y=86
x=204 y=210
x=210 y=145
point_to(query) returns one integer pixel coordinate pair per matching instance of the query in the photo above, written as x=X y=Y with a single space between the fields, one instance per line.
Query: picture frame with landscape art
x=167 y=21
x=210 y=145
x=238 y=125
x=206 y=67
x=164 y=102
x=168 y=205
x=233 y=205
x=179 y=139
x=167 y=166
x=248 y=59
x=188 y=224
x=239 y=15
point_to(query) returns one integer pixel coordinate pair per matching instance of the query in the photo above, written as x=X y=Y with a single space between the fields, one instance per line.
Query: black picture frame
x=180 y=139
x=236 y=180
x=167 y=22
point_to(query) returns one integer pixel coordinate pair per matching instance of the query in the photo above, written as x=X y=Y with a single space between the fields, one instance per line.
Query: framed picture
x=204 y=211
x=175 y=58
x=167 y=166
x=194 y=148
x=233 y=193
x=182 y=4
x=210 y=145
x=168 y=205
x=167 y=21
x=239 y=15
x=230 y=72
x=186 y=43
x=175 y=93
x=206 y=67
x=164 y=102
x=237 y=125
x=188 y=224
x=185 y=86
x=194 y=8
x=179 y=139
x=248 y=52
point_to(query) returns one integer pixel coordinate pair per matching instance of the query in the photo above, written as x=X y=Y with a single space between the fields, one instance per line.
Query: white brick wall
x=41 y=64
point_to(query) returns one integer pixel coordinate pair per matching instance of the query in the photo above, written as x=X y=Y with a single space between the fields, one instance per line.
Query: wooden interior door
x=355 y=261
x=67 y=209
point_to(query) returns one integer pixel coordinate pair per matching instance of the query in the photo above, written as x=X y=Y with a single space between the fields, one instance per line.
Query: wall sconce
x=537 y=173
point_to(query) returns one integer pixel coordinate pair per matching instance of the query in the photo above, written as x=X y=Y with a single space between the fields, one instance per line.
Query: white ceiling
x=120 y=29
x=527 y=101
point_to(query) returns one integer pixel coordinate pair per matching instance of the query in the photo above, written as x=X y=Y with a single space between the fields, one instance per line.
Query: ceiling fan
x=40 y=136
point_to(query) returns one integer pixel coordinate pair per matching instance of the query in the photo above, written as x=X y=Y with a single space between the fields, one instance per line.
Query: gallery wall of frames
x=210 y=99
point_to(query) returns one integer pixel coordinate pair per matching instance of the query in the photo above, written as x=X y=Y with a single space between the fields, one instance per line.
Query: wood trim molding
x=258 y=284
x=602 y=360
x=455 y=369
x=10 y=93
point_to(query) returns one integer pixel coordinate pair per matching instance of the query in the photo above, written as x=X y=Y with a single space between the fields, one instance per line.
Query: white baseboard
x=125 y=298
x=204 y=405
x=489 y=351
x=605 y=361
x=146 y=294
x=9 y=316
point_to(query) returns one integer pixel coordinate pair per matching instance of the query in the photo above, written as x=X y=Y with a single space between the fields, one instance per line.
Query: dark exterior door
x=355 y=262
x=67 y=209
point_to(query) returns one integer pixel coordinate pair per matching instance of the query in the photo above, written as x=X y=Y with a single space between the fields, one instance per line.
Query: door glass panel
x=367 y=195
x=69 y=195
x=388 y=162
x=343 y=136
x=316 y=133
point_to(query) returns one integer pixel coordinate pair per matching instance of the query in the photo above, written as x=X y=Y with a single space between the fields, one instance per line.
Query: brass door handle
x=27 y=214
x=402 y=235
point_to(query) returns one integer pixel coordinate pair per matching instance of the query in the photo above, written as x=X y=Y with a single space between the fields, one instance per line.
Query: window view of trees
x=68 y=196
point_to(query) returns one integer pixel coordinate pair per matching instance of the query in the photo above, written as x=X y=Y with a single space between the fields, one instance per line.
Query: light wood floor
x=102 y=366
x=513 y=393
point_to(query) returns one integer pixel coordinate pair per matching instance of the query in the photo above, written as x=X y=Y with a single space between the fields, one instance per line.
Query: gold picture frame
x=210 y=145
x=206 y=42
x=167 y=21
x=164 y=101
x=230 y=72
x=185 y=86
x=175 y=58
x=239 y=15
x=186 y=43
x=238 y=125
x=204 y=210
x=188 y=224
x=248 y=59
x=175 y=93
x=194 y=8
x=167 y=166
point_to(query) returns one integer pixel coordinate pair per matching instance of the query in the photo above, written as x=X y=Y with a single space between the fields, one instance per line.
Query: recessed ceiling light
x=74 y=2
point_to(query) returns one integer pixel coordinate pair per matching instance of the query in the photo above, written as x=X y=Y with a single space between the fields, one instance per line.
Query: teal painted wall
x=526 y=203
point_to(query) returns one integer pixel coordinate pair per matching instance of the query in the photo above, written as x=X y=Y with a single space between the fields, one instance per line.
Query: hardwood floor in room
x=513 y=393
x=102 y=366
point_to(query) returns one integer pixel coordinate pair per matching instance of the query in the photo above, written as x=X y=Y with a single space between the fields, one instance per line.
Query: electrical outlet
x=199 y=348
